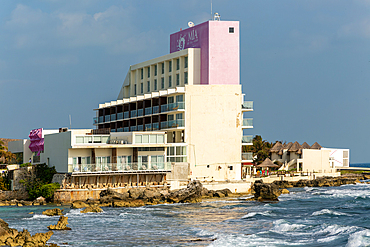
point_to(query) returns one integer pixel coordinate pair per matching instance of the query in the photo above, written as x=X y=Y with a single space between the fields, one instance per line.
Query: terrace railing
x=119 y=167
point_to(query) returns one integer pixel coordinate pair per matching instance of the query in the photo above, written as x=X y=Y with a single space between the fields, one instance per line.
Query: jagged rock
x=192 y=193
x=265 y=192
x=135 y=193
x=53 y=212
x=61 y=225
x=41 y=200
x=11 y=237
x=285 y=191
x=151 y=195
x=79 y=204
x=92 y=209
x=133 y=203
x=2 y=203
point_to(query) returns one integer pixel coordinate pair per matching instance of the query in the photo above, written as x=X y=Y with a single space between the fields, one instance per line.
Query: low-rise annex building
x=309 y=158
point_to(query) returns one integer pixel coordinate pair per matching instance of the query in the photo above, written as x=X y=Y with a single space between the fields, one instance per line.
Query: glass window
x=186 y=78
x=79 y=139
x=153 y=138
x=169 y=66
x=148 y=85
x=171 y=151
x=231 y=29
x=141 y=88
x=170 y=117
x=145 y=138
x=148 y=72
x=170 y=81
x=153 y=159
x=177 y=79
x=160 y=138
x=170 y=100
x=74 y=161
x=104 y=139
x=155 y=70
x=88 y=160
x=142 y=74
x=135 y=89
x=186 y=62
x=97 y=139
x=162 y=82
x=138 y=139
x=177 y=64
x=155 y=84
x=180 y=98
x=162 y=68
x=88 y=139
x=183 y=150
x=178 y=151
x=179 y=116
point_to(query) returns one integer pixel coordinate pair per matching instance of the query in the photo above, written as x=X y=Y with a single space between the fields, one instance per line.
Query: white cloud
x=113 y=29
x=360 y=28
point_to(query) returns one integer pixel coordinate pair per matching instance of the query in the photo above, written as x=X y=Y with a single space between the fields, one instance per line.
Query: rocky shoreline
x=271 y=191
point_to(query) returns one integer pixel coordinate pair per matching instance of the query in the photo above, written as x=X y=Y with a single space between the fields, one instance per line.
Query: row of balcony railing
x=248 y=122
x=119 y=167
x=140 y=112
x=153 y=126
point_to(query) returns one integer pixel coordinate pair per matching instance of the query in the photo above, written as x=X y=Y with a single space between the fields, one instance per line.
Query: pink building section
x=37 y=142
x=219 y=50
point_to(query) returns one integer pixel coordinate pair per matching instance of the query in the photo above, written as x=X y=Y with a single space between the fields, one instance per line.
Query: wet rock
x=135 y=193
x=133 y=203
x=92 y=209
x=79 y=204
x=192 y=193
x=285 y=191
x=11 y=237
x=53 y=212
x=109 y=195
x=265 y=192
x=61 y=225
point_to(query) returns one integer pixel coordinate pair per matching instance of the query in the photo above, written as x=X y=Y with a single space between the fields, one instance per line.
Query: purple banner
x=193 y=37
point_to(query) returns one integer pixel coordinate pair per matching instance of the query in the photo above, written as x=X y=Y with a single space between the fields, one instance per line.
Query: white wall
x=56 y=149
x=338 y=157
x=213 y=130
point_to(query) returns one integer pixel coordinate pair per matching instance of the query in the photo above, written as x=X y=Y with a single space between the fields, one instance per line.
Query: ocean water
x=365 y=165
x=331 y=216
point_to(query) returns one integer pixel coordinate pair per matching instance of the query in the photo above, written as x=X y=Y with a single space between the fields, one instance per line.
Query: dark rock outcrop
x=318 y=182
x=192 y=193
x=265 y=192
x=61 y=225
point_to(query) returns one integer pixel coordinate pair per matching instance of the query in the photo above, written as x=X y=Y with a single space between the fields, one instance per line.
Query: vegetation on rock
x=260 y=149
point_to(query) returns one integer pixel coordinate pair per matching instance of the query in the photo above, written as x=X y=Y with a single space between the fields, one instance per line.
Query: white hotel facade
x=181 y=115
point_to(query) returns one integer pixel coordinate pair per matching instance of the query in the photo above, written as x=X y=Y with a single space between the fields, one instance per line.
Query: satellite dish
x=191 y=24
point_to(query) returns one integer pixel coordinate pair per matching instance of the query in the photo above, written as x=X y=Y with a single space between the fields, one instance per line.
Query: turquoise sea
x=331 y=216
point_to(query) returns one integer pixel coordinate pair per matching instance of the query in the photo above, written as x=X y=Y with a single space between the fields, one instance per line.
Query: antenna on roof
x=211 y=9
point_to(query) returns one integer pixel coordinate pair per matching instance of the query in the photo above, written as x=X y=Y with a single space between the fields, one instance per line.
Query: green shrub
x=25 y=164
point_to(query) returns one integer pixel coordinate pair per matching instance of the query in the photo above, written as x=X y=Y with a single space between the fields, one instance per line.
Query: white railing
x=119 y=167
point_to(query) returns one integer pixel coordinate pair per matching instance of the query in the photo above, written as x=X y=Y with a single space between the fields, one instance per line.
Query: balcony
x=173 y=107
x=148 y=127
x=247 y=123
x=155 y=126
x=155 y=109
x=247 y=157
x=140 y=112
x=119 y=167
x=120 y=116
x=247 y=140
x=126 y=129
x=133 y=113
x=113 y=117
x=95 y=120
x=126 y=115
x=101 y=119
x=148 y=111
x=120 y=130
x=247 y=106
x=107 y=118
x=140 y=127
x=133 y=128
x=173 y=124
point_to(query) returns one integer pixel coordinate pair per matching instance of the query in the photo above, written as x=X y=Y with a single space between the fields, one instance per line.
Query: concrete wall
x=338 y=157
x=56 y=150
x=213 y=130
x=315 y=160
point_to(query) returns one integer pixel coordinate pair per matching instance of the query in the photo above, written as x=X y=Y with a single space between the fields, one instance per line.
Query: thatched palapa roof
x=295 y=147
x=277 y=147
x=288 y=145
x=267 y=163
x=316 y=146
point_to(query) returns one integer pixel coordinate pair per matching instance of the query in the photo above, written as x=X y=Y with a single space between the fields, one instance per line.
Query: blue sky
x=305 y=64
